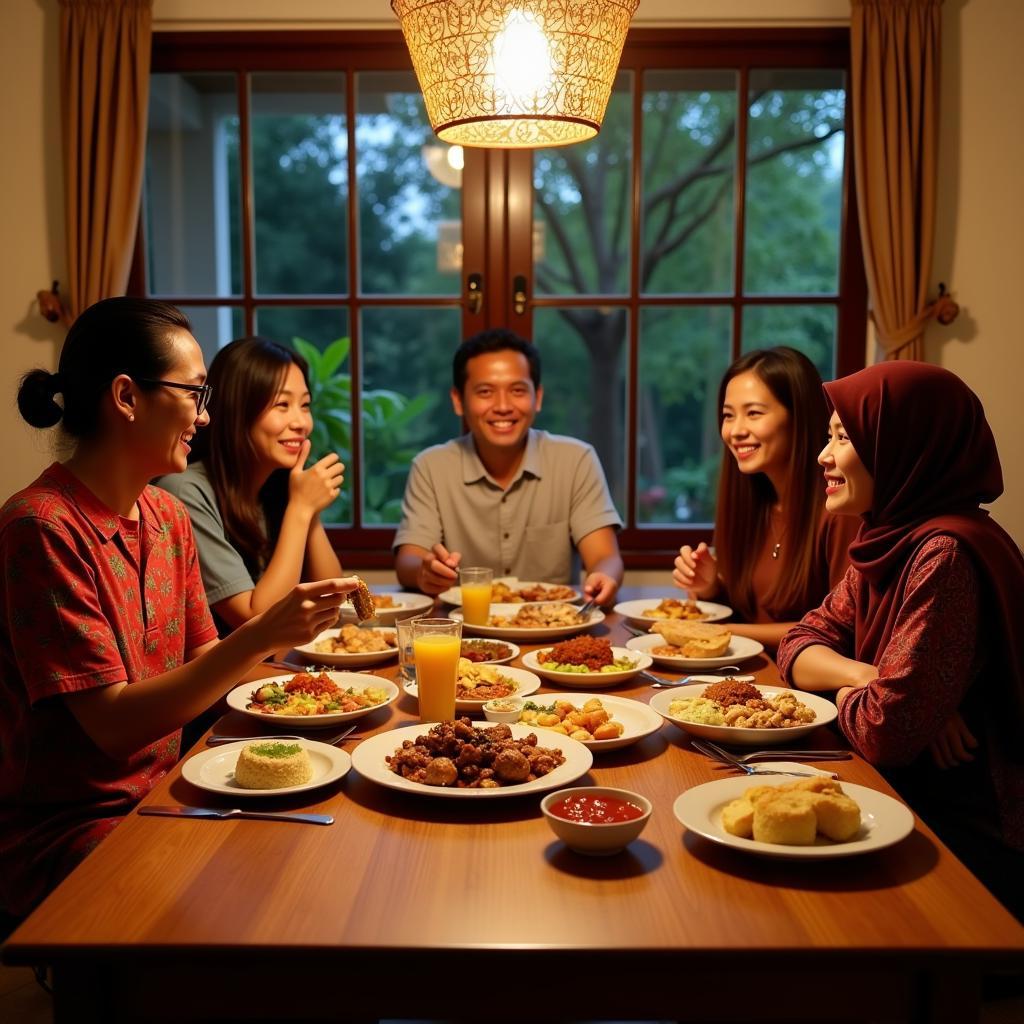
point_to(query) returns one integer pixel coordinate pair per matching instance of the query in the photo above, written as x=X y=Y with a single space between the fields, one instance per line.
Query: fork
x=585 y=609
x=215 y=739
x=713 y=750
x=723 y=756
x=660 y=681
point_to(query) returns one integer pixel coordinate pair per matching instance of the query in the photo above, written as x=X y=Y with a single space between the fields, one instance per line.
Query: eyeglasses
x=201 y=391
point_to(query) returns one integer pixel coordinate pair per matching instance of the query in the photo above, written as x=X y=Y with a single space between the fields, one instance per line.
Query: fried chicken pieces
x=793 y=814
x=456 y=754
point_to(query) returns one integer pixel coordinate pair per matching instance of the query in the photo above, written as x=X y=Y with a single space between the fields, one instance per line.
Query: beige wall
x=981 y=213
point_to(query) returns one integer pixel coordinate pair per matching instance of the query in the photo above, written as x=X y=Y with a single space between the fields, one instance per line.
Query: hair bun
x=35 y=398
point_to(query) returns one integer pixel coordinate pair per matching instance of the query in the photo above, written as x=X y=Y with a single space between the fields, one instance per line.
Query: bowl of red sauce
x=596 y=820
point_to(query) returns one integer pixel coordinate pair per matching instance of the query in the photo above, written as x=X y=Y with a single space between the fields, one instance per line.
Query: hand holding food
x=318 y=486
x=696 y=570
x=306 y=611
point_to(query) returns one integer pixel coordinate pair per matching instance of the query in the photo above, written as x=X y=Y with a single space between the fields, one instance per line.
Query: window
x=294 y=189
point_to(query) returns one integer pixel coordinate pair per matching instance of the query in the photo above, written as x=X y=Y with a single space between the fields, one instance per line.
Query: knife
x=179 y=811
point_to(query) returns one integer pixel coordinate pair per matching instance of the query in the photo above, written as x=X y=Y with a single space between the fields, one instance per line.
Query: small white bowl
x=503 y=709
x=597 y=840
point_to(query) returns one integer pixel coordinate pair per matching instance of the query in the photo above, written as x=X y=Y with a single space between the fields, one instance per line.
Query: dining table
x=410 y=906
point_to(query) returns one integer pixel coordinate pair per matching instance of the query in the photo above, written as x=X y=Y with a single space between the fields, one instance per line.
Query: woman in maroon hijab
x=923 y=640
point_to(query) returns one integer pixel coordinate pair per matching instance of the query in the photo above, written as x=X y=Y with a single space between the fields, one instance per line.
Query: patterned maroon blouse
x=88 y=598
x=927 y=671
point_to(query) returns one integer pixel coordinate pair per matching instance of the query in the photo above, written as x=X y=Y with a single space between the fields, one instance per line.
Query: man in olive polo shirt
x=505 y=495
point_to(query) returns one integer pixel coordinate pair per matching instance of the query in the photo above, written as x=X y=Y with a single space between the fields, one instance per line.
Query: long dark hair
x=246 y=376
x=111 y=337
x=745 y=500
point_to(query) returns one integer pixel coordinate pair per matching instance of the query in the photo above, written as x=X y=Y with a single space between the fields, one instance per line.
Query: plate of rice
x=351 y=646
x=586 y=661
x=276 y=768
x=313 y=700
x=739 y=713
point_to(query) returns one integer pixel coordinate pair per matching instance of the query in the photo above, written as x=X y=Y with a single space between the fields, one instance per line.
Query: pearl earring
x=131 y=418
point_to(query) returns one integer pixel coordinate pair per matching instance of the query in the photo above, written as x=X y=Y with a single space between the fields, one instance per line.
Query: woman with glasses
x=106 y=642
x=255 y=505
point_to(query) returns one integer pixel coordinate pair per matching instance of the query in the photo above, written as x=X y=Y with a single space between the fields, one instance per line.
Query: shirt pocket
x=547 y=552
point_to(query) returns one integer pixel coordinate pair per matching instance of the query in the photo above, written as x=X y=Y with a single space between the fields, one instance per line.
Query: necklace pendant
x=775 y=550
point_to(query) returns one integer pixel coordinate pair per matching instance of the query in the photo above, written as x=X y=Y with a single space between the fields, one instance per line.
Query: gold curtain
x=895 y=86
x=105 y=56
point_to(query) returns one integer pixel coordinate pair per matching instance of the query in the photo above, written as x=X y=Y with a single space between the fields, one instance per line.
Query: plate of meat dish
x=488 y=652
x=510 y=590
x=506 y=760
x=646 y=611
x=351 y=646
x=477 y=683
x=806 y=819
x=735 y=711
x=313 y=700
x=586 y=661
x=545 y=620
x=394 y=606
x=599 y=722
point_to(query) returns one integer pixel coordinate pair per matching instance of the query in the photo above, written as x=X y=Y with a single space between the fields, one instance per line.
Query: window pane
x=192 y=192
x=410 y=227
x=583 y=357
x=795 y=153
x=689 y=158
x=582 y=209
x=683 y=354
x=407 y=374
x=321 y=336
x=214 y=326
x=811 y=329
x=300 y=183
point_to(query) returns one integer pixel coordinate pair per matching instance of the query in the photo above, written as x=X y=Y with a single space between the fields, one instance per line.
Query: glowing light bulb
x=521 y=57
x=456 y=158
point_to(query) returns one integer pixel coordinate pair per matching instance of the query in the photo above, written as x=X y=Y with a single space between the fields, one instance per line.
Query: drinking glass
x=475 y=583
x=436 y=647
x=404 y=641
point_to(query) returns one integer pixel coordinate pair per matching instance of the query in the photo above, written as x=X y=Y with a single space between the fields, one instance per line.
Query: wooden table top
x=413 y=873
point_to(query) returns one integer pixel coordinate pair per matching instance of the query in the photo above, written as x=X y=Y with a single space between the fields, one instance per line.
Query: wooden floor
x=24 y=1001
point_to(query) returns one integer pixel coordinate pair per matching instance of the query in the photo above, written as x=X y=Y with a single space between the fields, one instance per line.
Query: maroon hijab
x=922 y=435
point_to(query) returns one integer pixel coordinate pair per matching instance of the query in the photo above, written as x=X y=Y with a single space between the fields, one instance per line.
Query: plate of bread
x=814 y=818
x=688 y=644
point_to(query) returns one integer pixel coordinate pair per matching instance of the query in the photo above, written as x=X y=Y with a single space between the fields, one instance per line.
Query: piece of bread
x=362 y=601
x=696 y=639
x=738 y=818
x=838 y=816
x=786 y=818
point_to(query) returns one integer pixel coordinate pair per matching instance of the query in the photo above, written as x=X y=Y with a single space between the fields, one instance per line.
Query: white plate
x=368 y=760
x=453 y=595
x=526 y=683
x=598 y=679
x=740 y=649
x=738 y=736
x=214 y=769
x=527 y=633
x=406 y=605
x=498 y=661
x=637 y=718
x=344 y=659
x=241 y=696
x=884 y=821
x=633 y=611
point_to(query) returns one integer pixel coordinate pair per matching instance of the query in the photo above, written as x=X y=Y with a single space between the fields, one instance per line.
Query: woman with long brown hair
x=777 y=553
x=255 y=507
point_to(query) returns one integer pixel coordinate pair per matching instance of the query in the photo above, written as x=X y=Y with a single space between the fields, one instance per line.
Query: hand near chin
x=696 y=570
x=317 y=487
x=438 y=570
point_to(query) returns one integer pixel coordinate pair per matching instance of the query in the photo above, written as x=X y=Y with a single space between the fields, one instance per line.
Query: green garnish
x=276 y=749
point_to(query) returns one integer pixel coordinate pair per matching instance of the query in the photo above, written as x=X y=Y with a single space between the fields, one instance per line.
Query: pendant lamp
x=515 y=74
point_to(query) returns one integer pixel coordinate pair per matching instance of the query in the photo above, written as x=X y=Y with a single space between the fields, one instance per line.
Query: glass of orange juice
x=475 y=585
x=437 y=644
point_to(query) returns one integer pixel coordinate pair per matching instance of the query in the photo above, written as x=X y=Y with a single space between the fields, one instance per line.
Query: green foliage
x=389 y=421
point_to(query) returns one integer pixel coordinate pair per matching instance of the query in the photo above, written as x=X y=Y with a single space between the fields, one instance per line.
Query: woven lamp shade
x=515 y=74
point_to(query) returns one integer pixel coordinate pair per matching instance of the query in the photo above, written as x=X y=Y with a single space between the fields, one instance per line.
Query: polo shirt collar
x=104 y=521
x=473 y=468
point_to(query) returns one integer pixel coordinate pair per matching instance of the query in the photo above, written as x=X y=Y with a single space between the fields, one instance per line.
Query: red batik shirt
x=88 y=598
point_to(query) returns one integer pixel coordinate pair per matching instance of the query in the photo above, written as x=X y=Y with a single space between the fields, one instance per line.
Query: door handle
x=519 y=294
x=475 y=293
